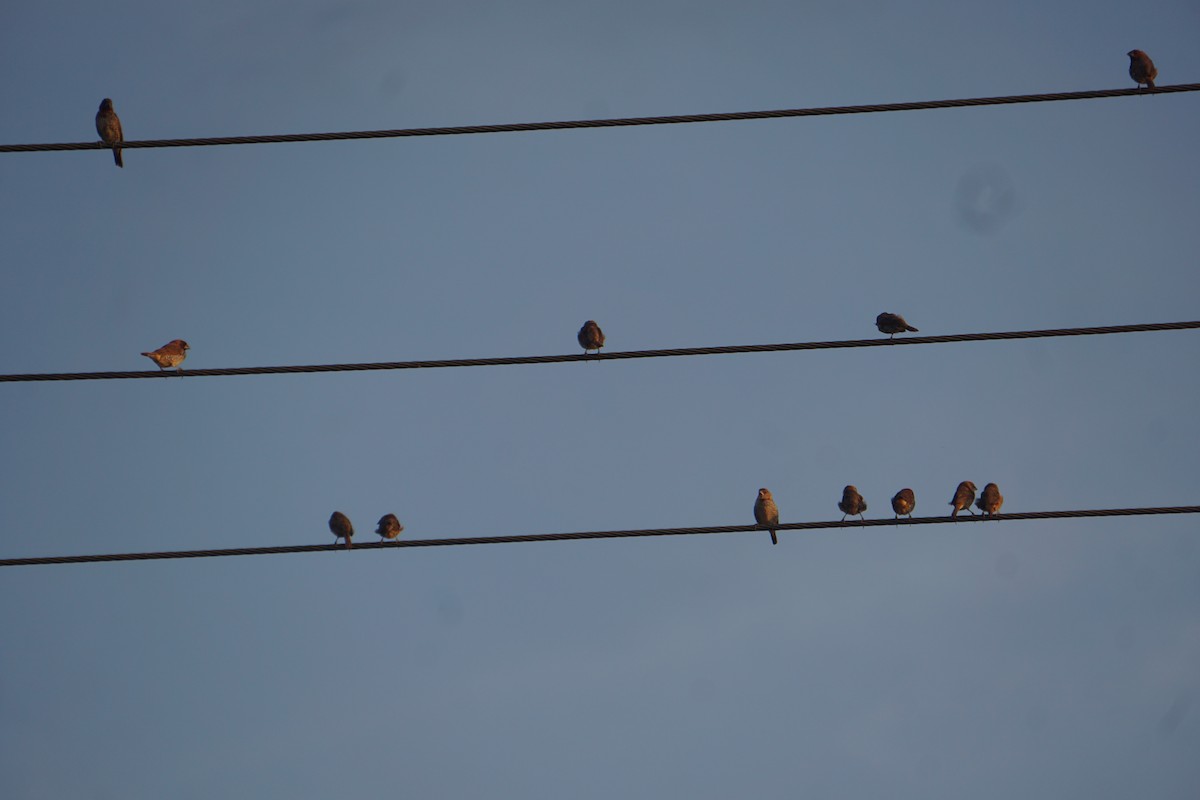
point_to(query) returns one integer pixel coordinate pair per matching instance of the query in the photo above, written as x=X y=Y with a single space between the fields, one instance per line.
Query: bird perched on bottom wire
x=389 y=527
x=591 y=337
x=990 y=500
x=963 y=496
x=892 y=324
x=108 y=125
x=339 y=523
x=170 y=354
x=1142 y=69
x=852 y=504
x=765 y=512
x=904 y=502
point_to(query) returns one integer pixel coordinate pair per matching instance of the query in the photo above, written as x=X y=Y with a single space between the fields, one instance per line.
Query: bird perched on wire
x=963 y=495
x=852 y=504
x=170 y=354
x=389 y=527
x=892 y=324
x=591 y=337
x=990 y=499
x=108 y=125
x=1142 y=69
x=904 y=502
x=339 y=523
x=765 y=512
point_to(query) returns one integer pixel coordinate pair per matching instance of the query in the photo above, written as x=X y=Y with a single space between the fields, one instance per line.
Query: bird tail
x=911 y=328
x=774 y=538
x=348 y=545
x=147 y=355
x=1149 y=83
x=954 y=512
x=120 y=162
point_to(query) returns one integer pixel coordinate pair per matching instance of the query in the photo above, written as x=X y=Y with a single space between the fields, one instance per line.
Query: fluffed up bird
x=339 y=523
x=904 y=502
x=170 y=354
x=892 y=324
x=108 y=125
x=852 y=504
x=591 y=337
x=990 y=499
x=389 y=527
x=963 y=496
x=765 y=512
x=1141 y=68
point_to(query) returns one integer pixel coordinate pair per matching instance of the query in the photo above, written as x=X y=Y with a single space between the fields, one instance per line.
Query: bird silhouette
x=170 y=354
x=990 y=500
x=389 y=527
x=339 y=523
x=963 y=495
x=852 y=504
x=765 y=512
x=892 y=324
x=1142 y=69
x=591 y=337
x=904 y=502
x=108 y=125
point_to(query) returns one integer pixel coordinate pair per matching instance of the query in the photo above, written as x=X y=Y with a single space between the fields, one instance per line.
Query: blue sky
x=1029 y=658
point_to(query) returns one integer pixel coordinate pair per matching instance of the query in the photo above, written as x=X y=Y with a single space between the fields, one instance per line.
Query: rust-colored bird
x=765 y=512
x=963 y=495
x=892 y=324
x=990 y=499
x=339 y=523
x=590 y=337
x=904 y=502
x=852 y=504
x=170 y=354
x=389 y=527
x=108 y=125
x=1141 y=68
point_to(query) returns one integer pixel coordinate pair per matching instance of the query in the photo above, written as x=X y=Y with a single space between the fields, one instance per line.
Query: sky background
x=1037 y=659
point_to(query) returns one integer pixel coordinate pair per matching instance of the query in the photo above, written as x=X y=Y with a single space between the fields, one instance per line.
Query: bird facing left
x=108 y=125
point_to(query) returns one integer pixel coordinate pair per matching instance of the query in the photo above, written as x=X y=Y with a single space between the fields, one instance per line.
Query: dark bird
x=389 y=527
x=904 y=502
x=108 y=125
x=339 y=523
x=892 y=324
x=170 y=354
x=1141 y=68
x=990 y=499
x=765 y=512
x=852 y=504
x=963 y=496
x=590 y=337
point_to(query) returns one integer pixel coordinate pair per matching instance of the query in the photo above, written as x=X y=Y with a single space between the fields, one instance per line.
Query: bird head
x=764 y=494
x=106 y=104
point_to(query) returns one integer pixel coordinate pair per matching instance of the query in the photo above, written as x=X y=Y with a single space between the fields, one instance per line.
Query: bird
x=766 y=512
x=1142 y=69
x=170 y=354
x=963 y=496
x=904 y=502
x=339 y=523
x=108 y=125
x=890 y=323
x=591 y=337
x=389 y=527
x=990 y=499
x=852 y=503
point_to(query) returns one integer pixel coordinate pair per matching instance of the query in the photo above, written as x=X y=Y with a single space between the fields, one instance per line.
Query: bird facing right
x=904 y=502
x=170 y=354
x=591 y=337
x=990 y=500
x=1142 y=69
x=108 y=125
x=892 y=324
x=389 y=527
x=852 y=503
x=963 y=496
x=765 y=512
x=339 y=523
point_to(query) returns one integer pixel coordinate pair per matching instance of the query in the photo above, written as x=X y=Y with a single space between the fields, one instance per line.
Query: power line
x=560 y=537
x=608 y=123
x=615 y=356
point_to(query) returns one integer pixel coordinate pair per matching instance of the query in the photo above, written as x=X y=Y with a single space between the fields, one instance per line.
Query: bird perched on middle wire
x=1142 y=69
x=963 y=496
x=852 y=504
x=904 y=502
x=170 y=354
x=990 y=500
x=765 y=512
x=339 y=523
x=389 y=527
x=108 y=125
x=591 y=337
x=892 y=324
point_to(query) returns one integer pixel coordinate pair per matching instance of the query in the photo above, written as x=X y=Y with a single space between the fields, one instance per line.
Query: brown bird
x=170 y=354
x=1141 y=68
x=108 y=125
x=852 y=503
x=590 y=337
x=963 y=496
x=904 y=502
x=765 y=512
x=339 y=523
x=892 y=324
x=990 y=499
x=389 y=527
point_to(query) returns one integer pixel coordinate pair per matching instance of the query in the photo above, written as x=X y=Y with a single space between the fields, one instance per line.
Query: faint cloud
x=985 y=198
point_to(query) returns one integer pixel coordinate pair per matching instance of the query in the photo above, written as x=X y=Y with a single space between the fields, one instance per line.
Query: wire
x=608 y=123
x=560 y=537
x=617 y=356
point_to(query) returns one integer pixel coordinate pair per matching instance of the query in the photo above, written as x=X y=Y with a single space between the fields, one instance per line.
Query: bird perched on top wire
x=591 y=337
x=389 y=527
x=990 y=499
x=1141 y=68
x=108 y=125
x=765 y=512
x=170 y=354
x=852 y=504
x=892 y=324
x=963 y=495
x=904 y=502
x=339 y=523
